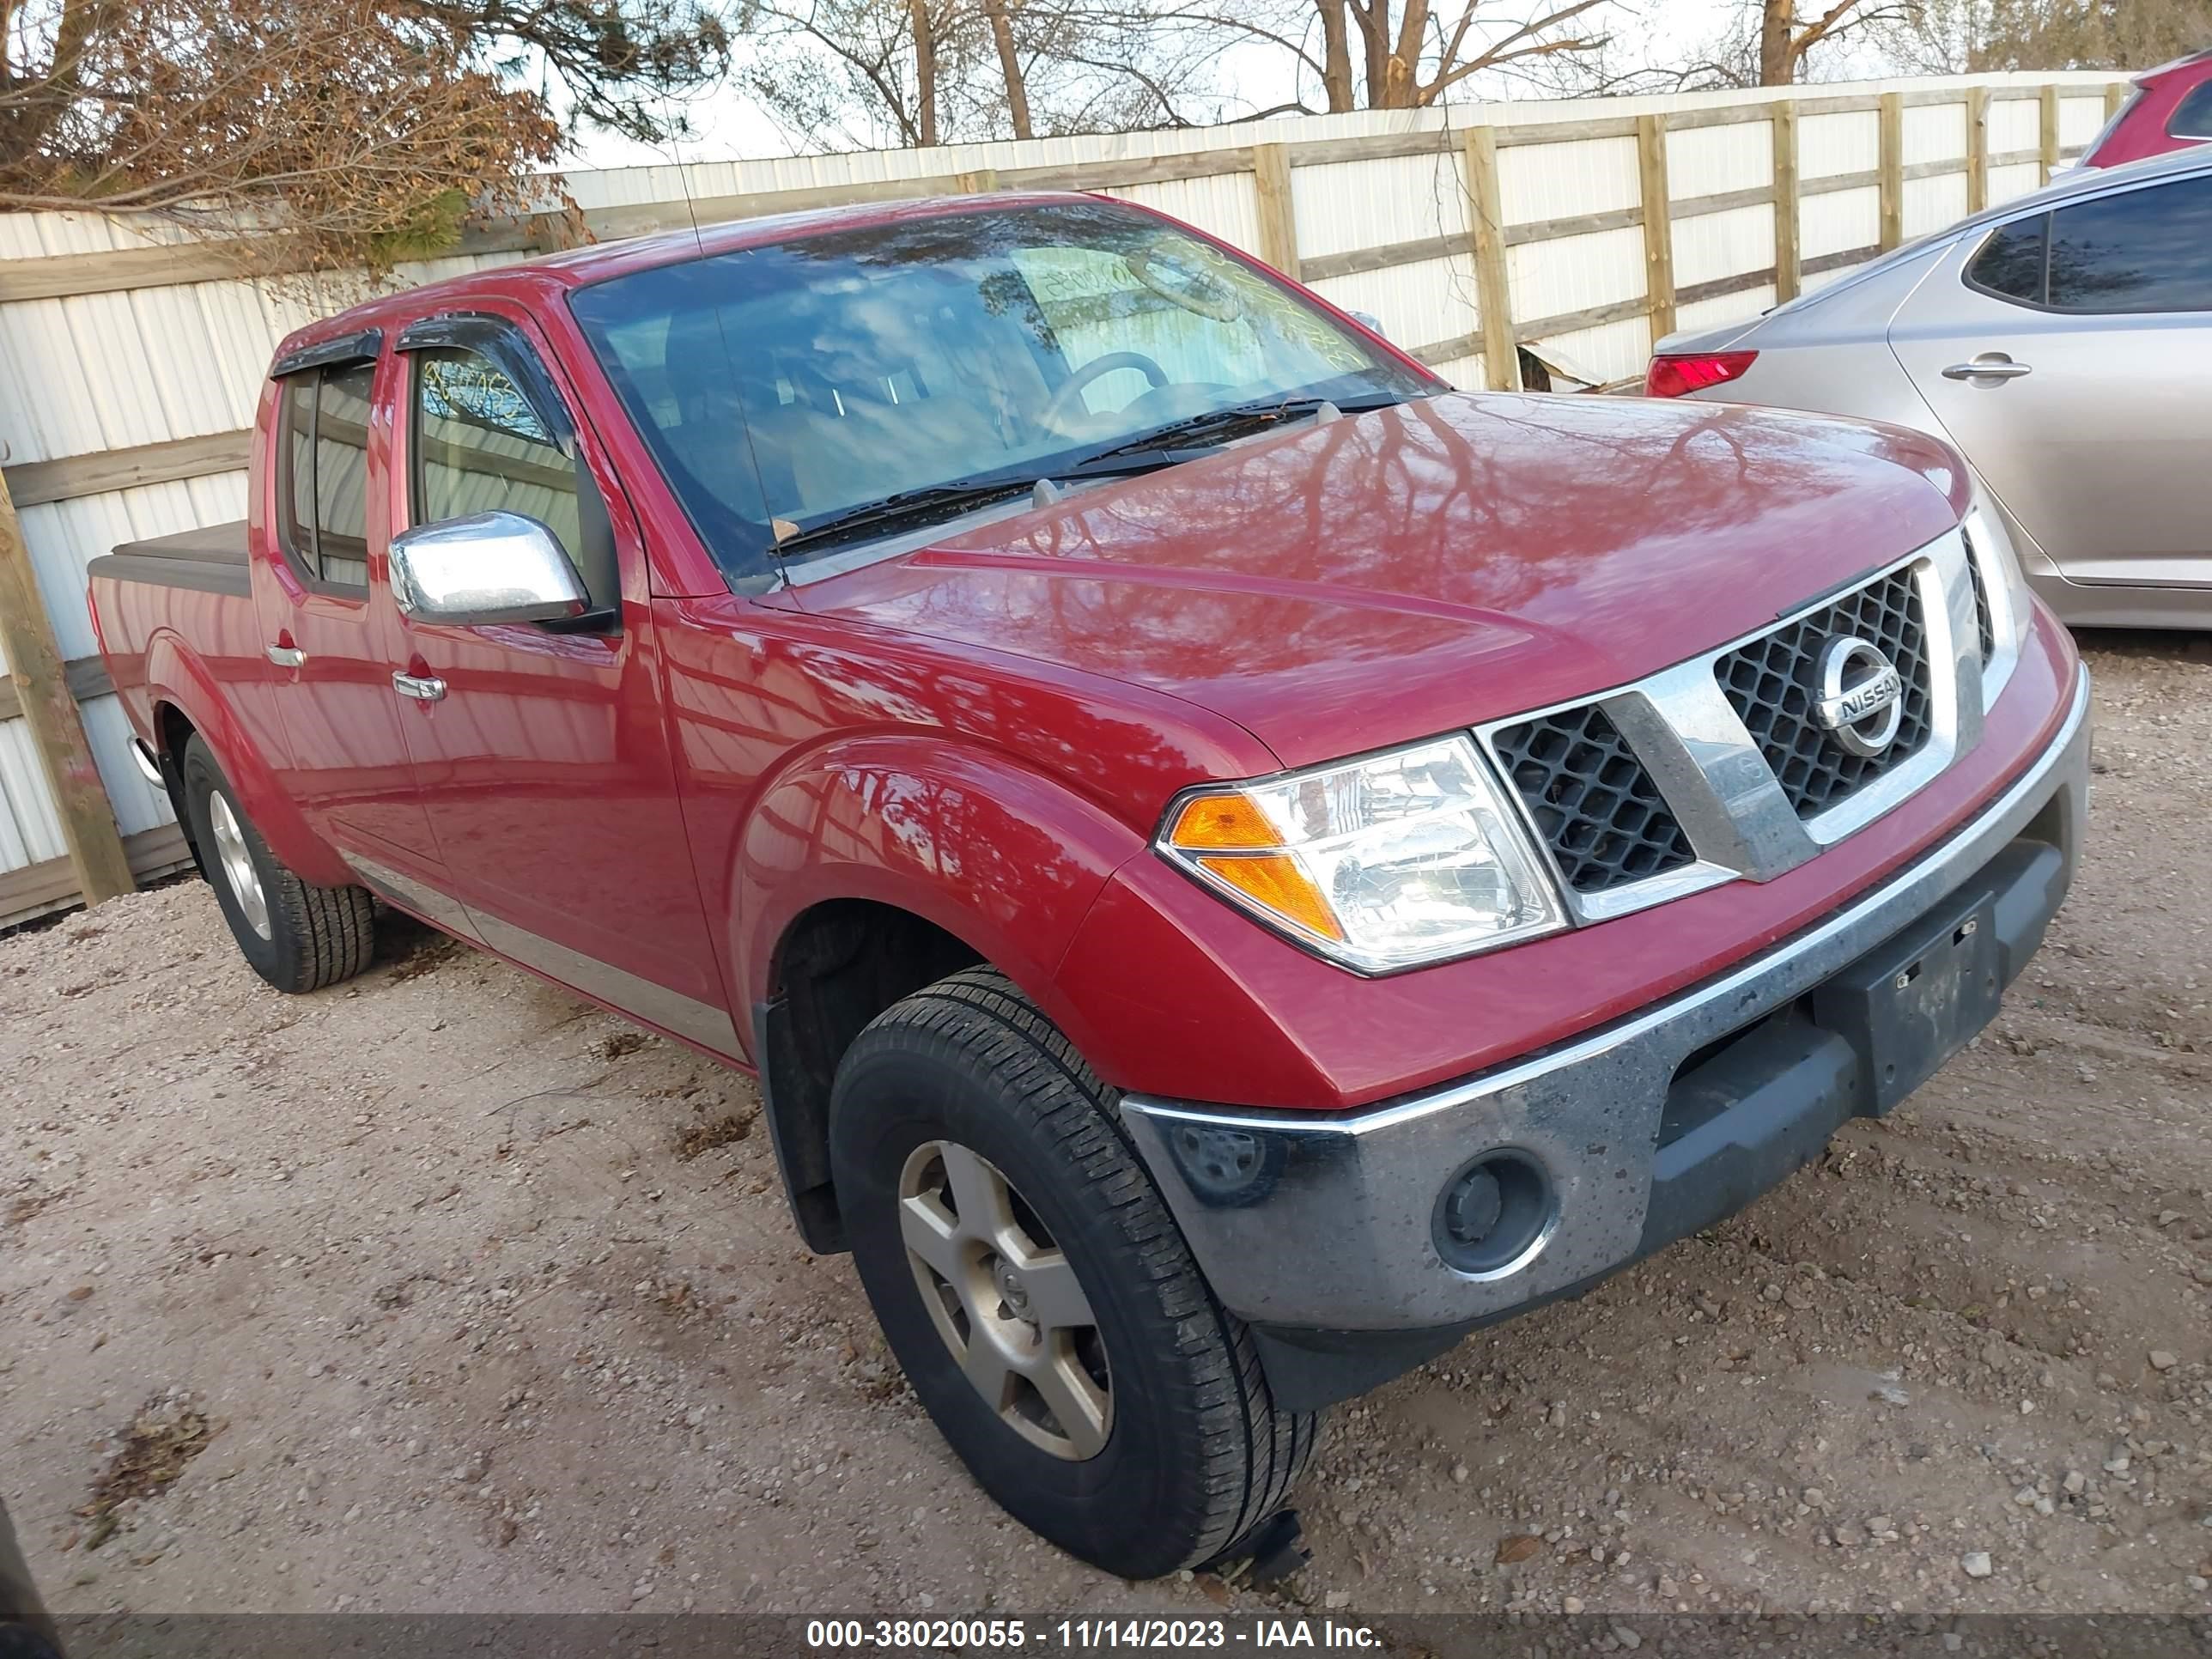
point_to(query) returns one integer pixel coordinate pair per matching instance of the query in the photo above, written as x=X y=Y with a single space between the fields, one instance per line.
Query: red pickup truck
x=1232 y=863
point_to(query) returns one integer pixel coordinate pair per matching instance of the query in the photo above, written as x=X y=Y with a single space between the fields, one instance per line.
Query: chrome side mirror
x=487 y=568
x=1370 y=321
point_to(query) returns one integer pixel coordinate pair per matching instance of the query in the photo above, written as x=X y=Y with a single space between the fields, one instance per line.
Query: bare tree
x=356 y=131
x=1396 y=54
x=847 y=74
x=1785 y=35
x=1010 y=67
x=1966 y=36
x=841 y=74
x=1775 y=43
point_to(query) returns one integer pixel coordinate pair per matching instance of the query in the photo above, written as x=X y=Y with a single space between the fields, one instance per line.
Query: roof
x=598 y=262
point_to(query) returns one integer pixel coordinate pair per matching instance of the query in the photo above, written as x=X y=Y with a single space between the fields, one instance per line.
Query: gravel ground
x=442 y=1292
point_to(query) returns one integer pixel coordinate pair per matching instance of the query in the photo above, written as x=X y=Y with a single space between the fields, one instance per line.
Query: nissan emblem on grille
x=1861 y=701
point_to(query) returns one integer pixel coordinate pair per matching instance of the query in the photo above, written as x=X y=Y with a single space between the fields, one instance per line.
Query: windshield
x=783 y=387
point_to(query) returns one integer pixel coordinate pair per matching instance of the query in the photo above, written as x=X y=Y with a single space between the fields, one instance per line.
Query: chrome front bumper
x=1328 y=1224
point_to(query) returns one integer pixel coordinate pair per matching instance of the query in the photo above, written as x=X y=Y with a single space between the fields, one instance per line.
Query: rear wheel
x=1039 y=1295
x=297 y=936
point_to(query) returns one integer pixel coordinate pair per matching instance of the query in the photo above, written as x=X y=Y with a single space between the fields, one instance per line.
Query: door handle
x=422 y=688
x=1990 y=365
x=285 y=656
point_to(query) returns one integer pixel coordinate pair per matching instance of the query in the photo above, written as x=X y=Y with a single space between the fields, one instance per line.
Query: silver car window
x=2142 y=250
x=2133 y=252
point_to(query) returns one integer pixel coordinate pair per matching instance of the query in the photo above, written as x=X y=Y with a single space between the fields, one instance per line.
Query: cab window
x=323 y=482
x=479 y=447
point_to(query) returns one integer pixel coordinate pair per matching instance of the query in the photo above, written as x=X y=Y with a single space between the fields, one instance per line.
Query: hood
x=1439 y=564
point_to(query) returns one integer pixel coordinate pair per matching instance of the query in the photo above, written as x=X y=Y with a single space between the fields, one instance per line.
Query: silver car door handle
x=285 y=656
x=1998 y=368
x=422 y=688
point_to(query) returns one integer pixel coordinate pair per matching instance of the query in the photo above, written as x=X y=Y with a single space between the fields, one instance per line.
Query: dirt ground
x=441 y=1291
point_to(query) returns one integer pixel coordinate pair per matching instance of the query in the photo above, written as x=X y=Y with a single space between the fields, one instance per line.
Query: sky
x=728 y=126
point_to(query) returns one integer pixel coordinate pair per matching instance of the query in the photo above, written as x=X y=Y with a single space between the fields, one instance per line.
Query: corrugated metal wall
x=99 y=372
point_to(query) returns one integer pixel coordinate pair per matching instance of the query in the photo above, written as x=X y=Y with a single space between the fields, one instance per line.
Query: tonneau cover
x=209 y=560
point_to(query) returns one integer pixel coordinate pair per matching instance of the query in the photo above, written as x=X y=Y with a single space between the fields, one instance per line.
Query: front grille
x=1594 y=805
x=1773 y=683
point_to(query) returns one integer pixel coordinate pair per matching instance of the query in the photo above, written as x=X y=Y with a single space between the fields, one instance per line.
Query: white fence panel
x=1715 y=161
x=1717 y=245
x=1560 y=181
x=1343 y=205
x=1935 y=132
x=1846 y=141
x=1574 y=272
x=2079 y=119
x=1838 y=221
x=1932 y=203
x=1430 y=299
x=2014 y=124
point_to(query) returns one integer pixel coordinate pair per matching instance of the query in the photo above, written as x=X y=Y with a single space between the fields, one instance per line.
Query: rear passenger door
x=543 y=756
x=320 y=627
x=2068 y=353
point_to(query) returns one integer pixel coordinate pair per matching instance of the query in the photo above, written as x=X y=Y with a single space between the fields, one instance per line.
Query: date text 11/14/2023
x=1050 y=1635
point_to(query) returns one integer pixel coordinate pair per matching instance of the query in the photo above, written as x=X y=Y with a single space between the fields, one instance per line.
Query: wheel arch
x=840 y=963
x=874 y=865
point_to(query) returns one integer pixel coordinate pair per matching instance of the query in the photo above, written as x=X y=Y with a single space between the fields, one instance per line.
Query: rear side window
x=2147 y=250
x=342 y=474
x=2011 y=264
x=2192 y=116
x=480 y=448
x=323 y=489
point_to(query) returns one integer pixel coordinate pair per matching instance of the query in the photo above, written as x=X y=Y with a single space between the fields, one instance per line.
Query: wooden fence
x=129 y=357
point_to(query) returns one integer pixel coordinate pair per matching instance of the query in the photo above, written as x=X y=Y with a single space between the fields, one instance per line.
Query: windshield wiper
x=1209 y=431
x=909 y=507
x=1182 y=441
x=932 y=503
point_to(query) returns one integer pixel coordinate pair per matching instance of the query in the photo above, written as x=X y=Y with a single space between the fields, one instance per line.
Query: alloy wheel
x=237 y=864
x=1005 y=1300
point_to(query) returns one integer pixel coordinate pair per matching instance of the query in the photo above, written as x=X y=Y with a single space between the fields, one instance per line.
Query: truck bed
x=188 y=593
x=211 y=560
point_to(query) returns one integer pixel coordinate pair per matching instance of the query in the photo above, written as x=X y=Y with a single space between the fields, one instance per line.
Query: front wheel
x=1038 y=1294
x=297 y=936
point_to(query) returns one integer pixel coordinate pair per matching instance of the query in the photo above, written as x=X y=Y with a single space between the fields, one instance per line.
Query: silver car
x=2064 y=343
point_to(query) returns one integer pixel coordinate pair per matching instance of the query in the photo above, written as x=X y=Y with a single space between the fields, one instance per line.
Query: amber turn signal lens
x=1222 y=823
x=1277 y=884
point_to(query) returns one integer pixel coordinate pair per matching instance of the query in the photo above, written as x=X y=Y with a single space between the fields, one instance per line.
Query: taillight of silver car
x=1677 y=377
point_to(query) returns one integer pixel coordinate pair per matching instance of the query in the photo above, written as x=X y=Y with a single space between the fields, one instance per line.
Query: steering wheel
x=1063 y=402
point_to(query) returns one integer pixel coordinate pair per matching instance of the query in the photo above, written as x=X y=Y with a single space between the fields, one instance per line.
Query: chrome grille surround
x=1681 y=728
x=1997 y=625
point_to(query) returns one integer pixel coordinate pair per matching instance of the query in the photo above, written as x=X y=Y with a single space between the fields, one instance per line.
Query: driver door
x=541 y=750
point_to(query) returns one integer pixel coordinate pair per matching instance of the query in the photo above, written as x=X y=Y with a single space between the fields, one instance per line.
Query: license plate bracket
x=1913 y=1002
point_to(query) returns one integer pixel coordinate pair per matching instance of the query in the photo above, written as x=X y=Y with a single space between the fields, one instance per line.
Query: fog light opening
x=1494 y=1215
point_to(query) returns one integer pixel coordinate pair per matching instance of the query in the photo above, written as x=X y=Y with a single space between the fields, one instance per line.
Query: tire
x=1181 y=1453
x=298 y=937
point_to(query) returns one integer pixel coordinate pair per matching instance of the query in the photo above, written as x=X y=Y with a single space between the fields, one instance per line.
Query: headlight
x=1384 y=863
